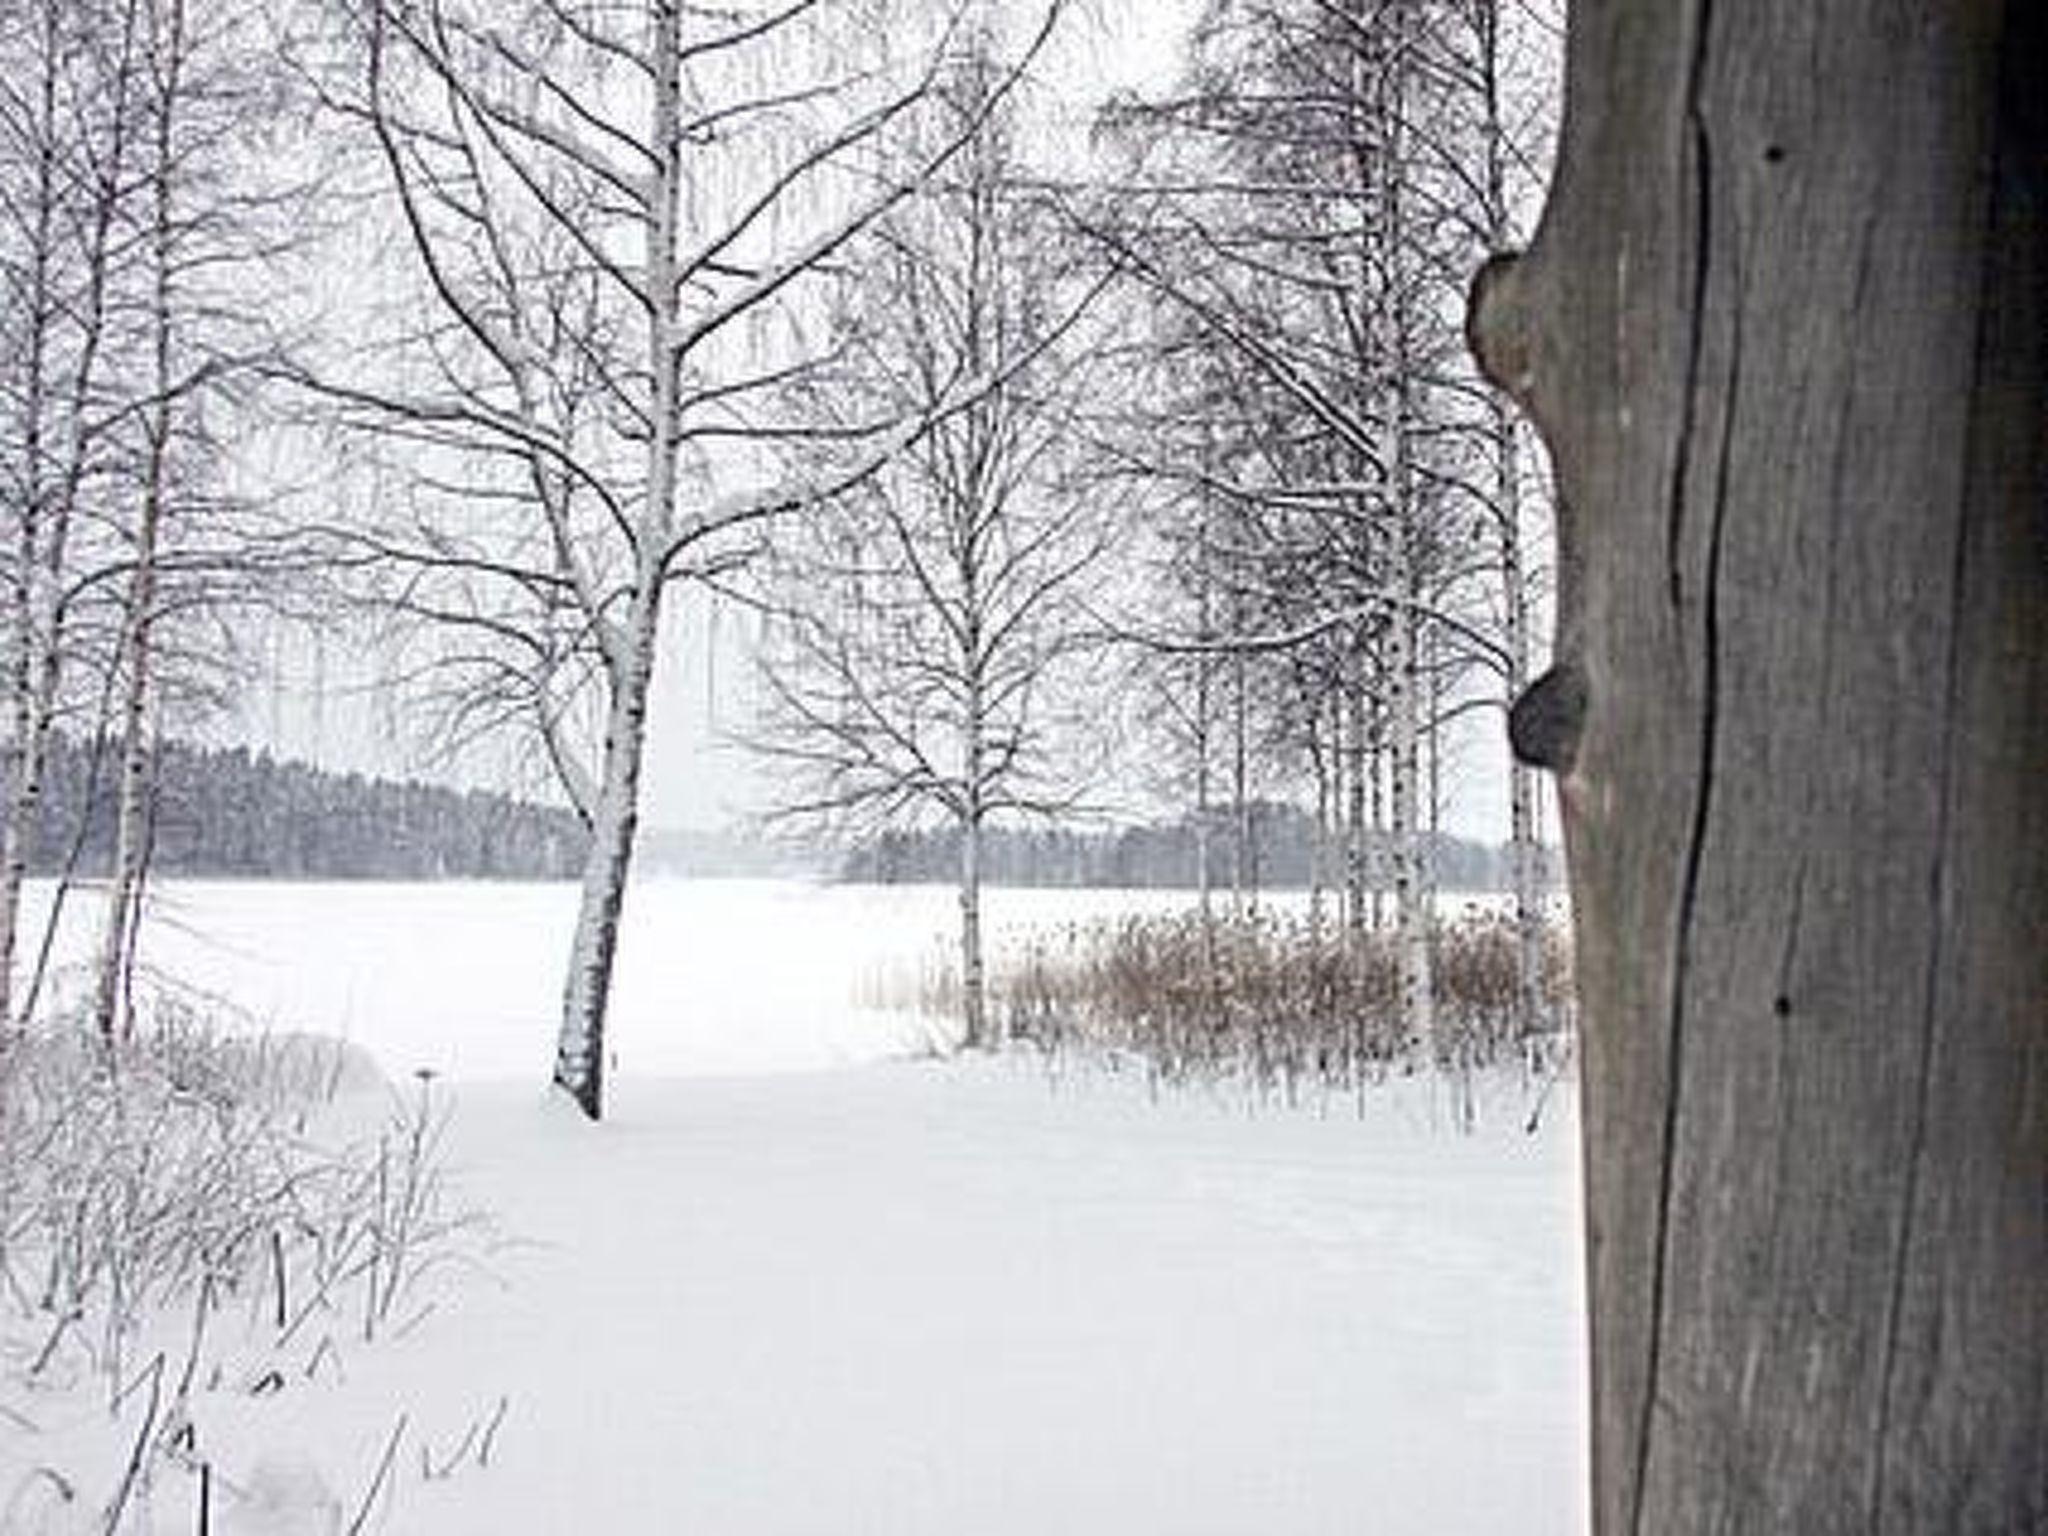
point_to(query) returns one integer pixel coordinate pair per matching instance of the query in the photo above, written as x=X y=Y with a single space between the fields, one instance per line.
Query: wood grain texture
x=1785 y=330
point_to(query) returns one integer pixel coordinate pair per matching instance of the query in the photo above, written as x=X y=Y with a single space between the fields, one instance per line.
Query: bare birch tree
x=928 y=621
x=209 y=209
x=618 y=216
x=140 y=200
x=68 y=128
x=1307 y=202
x=1274 y=227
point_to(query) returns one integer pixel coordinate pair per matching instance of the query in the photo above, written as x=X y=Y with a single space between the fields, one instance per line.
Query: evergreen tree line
x=1285 y=850
x=231 y=812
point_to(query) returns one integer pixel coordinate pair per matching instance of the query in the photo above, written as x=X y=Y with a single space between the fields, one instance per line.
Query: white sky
x=1126 y=44
x=694 y=776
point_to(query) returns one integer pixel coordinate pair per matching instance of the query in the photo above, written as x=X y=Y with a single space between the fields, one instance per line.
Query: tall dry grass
x=176 y=1220
x=1276 y=1001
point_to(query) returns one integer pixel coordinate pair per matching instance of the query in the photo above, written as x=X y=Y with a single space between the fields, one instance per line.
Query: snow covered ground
x=883 y=1295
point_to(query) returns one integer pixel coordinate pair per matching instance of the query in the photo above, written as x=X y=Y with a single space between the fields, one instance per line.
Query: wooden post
x=1785 y=330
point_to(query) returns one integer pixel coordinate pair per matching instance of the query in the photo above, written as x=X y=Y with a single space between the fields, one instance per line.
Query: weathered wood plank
x=1785 y=329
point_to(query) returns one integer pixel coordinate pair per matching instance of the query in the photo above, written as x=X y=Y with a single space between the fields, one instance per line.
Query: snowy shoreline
x=798 y=1283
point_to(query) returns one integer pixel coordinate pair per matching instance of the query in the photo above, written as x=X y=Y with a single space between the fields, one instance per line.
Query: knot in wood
x=1499 y=325
x=1546 y=722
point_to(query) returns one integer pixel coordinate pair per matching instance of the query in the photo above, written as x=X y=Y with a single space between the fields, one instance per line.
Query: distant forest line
x=229 y=812
x=1281 y=849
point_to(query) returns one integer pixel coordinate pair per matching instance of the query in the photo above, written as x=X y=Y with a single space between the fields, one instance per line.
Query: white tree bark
x=580 y=1050
x=971 y=812
x=1359 y=886
x=165 y=47
x=1411 y=889
x=580 y=1058
x=1525 y=854
x=973 y=979
x=1407 y=689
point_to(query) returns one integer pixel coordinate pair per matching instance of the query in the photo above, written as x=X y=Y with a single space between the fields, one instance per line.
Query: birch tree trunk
x=1405 y=695
x=63 y=408
x=131 y=809
x=1405 y=688
x=629 y=652
x=131 y=785
x=1357 y=770
x=1785 y=330
x=41 y=306
x=1411 y=894
x=973 y=775
x=1205 y=839
x=1320 y=764
x=973 y=982
x=1379 y=838
x=615 y=821
x=1524 y=854
x=1204 y=733
x=165 y=29
x=1241 y=877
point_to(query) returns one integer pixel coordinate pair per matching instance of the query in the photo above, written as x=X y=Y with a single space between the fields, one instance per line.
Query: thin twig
x=138 y=1453
x=355 y=1526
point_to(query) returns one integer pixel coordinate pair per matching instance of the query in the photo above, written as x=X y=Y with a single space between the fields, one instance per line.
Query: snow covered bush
x=182 y=1213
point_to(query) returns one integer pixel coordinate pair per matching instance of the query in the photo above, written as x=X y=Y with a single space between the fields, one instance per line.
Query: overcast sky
x=324 y=706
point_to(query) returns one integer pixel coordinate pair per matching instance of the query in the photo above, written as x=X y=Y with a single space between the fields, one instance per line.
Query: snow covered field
x=880 y=1295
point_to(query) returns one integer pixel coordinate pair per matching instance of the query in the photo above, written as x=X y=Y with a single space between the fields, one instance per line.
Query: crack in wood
x=1938 y=872
x=1782 y=1004
x=1682 y=959
x=1694 y=153
x=1710 y=640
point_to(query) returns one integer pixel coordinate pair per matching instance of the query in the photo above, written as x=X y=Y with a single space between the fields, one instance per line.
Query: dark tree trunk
x=1785 y=329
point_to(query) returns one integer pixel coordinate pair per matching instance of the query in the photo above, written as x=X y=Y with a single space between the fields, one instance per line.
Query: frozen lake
x=465 y=977
x=715 y=976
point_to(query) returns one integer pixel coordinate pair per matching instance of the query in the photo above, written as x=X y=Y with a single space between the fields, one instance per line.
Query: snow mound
x=43 y=1504
x=283 y=1496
